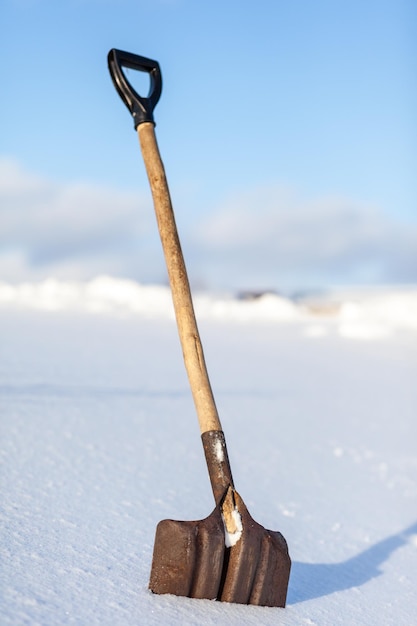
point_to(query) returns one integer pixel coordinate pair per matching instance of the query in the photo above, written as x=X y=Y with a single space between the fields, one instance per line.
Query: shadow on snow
x=314 y=580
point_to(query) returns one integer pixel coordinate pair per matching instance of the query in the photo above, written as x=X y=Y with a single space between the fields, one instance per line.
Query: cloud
x=50 y=227
x=261 y=238
x=271 y=237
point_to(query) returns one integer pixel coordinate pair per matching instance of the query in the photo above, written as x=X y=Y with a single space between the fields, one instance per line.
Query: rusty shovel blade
x=191 y=559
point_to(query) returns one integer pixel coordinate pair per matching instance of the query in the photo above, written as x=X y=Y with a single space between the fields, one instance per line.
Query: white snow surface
x=99 y=441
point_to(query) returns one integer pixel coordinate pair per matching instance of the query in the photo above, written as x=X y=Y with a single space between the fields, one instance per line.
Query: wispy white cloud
x=271 y=237
x=260 y=238
x=46 y=226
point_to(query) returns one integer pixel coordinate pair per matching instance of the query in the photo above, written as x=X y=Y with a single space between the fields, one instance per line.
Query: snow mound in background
x=101 y=295
x=369 y=313
x=377 y=313
x=120 y=296
x=268 y=307
x=361 y=313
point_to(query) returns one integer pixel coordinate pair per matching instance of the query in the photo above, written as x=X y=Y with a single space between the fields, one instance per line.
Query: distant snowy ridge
x=101 y=295
x=372 y=312
x=117 y=296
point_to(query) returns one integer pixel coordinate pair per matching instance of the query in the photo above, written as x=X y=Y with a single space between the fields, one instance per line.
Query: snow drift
x=360 y=313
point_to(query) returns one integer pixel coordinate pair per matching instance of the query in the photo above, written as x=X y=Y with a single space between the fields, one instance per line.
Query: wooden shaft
x=181 y=294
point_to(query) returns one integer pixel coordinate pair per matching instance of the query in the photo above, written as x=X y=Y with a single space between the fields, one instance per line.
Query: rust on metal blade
x=259 y=565
x=188 y=557
x=218 y=465
x=191 y=559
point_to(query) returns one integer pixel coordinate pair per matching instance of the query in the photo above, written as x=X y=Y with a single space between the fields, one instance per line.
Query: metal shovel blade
x=191 y=559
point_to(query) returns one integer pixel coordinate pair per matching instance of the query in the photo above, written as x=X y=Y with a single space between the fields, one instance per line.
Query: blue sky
x=288 y=131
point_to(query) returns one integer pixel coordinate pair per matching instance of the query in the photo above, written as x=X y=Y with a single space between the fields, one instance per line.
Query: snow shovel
x=227 y=556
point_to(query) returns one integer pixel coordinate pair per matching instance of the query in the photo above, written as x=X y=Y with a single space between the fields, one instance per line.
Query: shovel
x=226 y=556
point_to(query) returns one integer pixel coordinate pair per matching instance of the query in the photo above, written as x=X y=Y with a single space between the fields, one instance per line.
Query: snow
x=231 y=538
x=219 y=452
x=99 y=441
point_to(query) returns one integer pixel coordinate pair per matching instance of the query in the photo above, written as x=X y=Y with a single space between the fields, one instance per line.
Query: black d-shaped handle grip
x=140 y=107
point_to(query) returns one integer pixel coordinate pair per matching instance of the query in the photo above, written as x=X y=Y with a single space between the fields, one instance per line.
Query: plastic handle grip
x=140 y=107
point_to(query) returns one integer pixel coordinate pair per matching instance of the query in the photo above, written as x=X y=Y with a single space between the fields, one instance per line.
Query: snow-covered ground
x=99 y=441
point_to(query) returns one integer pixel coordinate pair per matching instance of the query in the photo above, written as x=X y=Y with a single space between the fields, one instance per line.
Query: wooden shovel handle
x=181 y=294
